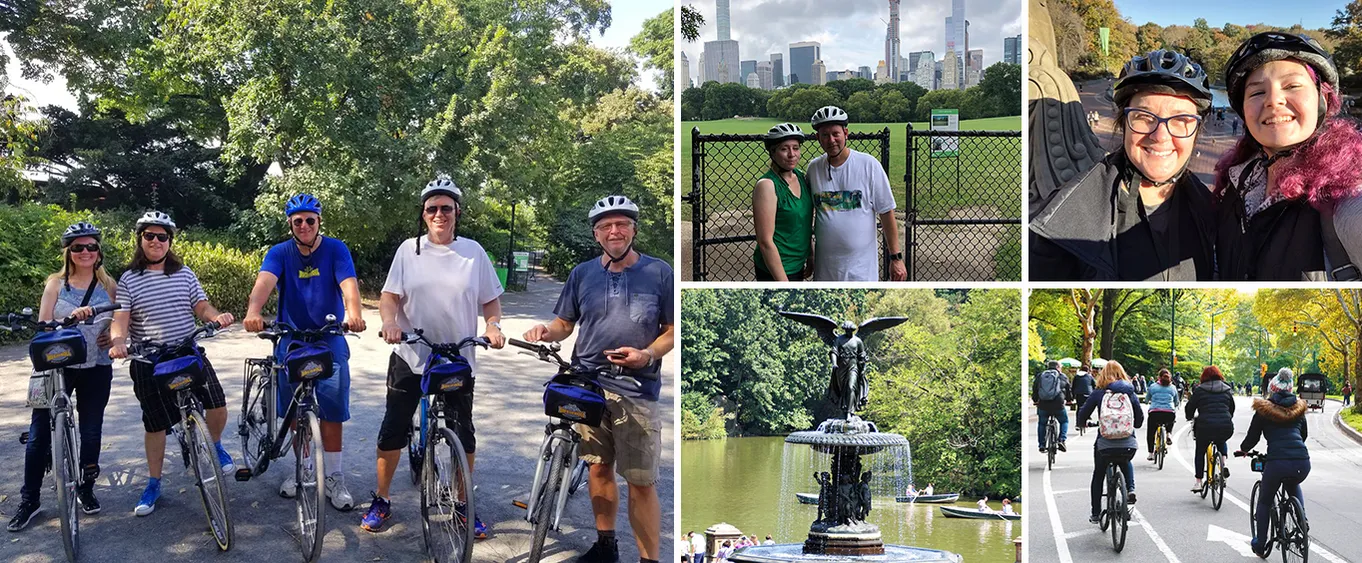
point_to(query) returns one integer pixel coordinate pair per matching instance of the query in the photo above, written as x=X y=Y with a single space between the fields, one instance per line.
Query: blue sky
x=1310 y=13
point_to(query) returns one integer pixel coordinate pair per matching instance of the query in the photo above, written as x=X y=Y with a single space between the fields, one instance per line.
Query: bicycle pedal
x=23 y=437
x=243 y=474
x=520 y=504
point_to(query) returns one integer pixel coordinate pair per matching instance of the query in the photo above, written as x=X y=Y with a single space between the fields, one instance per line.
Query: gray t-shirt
x=68 y=300
x=611 y=310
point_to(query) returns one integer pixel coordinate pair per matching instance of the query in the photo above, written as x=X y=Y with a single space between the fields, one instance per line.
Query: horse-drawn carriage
x=1311 y=389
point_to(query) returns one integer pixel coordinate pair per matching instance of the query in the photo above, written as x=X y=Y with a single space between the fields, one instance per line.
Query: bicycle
x=1116 y=515
x=436 y=455
x=55 y=346
x=1215 y=478
x=1078 y=405
x=264 y=437
x=1160 y=446
x=1287 y=525
x=572 y=396
x=1051 y=442
x=179 y=370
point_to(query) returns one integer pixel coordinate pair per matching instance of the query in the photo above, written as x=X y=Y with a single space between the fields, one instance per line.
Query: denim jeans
x=91 y=387
x=1042 y=417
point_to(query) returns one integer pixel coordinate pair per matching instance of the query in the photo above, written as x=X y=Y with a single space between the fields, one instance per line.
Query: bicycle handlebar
x=280 y=329
x=142 y=350
x=1248 y=454
x=15 y=322
x=418 y=335
x=548 y=352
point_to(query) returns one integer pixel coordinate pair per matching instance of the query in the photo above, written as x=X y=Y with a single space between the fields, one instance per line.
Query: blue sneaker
x=225 y=460
x=479 y=529
x=380 y=511
x=147 y=504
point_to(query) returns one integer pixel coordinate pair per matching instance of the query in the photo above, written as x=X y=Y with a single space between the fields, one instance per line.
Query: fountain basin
x=794 y=552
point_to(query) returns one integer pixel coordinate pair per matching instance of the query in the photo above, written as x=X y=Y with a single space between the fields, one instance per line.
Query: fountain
x=841 y=532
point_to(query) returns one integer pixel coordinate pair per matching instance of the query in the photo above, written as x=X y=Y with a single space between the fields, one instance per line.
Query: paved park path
x=508 y=414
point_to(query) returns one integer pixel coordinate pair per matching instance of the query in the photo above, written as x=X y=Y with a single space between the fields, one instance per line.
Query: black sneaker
x=25 y=515
x=86 y=495
x=1061 y=447
x=1094 y=519
x=1130 y=497
x=601 y=552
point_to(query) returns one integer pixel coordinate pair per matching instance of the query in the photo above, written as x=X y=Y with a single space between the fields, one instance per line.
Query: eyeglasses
x=621 y=225
x=1145 y=123
x=442 y=209
x=163 y=237
x=92 y=247
x=298 y=221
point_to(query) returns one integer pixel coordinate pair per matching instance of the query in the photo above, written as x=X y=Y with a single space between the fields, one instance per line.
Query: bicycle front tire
x=547 y=499
x=258 y=424
x=310 y=473
x=1218 y=488
x=447 y=482
x=1210 y=472
x=64 y=449
x=212 y=490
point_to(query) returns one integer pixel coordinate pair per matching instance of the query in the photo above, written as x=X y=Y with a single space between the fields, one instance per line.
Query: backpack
x=1117 y=416
x=1049 y=389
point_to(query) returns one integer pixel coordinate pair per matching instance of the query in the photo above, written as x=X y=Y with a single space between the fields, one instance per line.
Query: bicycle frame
x=556 y=431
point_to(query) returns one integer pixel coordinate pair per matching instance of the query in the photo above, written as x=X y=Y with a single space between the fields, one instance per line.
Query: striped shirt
x=162 y=306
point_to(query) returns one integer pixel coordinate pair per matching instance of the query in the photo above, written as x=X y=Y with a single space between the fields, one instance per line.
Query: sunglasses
x=298 y=221
x=443 y=209
x=163 y=237
x=92 y=247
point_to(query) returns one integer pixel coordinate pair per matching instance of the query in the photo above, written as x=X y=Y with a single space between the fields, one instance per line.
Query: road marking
x=1158 y=540
x=1068 y=491
x=1237 y=541
x=1080 y=533
x=1060 y=543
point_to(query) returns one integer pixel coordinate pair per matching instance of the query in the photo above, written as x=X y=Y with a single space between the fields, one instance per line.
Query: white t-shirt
x=442 y=292
x=698 y=543
x=848 y=201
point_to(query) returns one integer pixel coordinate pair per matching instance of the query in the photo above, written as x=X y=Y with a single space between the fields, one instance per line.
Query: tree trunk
x=1109 y=321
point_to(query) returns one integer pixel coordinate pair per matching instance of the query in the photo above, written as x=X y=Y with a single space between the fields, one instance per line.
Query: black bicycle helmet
x=781 y=133
x=1163 y=72
x=80 y=229
x=1271 y=46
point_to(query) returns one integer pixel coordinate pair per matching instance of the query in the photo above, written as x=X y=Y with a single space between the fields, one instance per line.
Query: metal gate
x=724 y=170
x=963 y=190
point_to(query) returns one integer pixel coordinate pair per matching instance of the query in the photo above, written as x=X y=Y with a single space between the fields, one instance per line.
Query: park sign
x=945 y=120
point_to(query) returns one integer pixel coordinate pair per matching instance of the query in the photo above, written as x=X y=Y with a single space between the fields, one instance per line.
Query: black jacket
x=1215 y=400
x=1092 y=219
x=1280 y=419
x=1280 y=243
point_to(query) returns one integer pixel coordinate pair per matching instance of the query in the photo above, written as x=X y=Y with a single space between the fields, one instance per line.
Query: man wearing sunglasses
x=315 y=276
x=1138 y=214
x=439 y=283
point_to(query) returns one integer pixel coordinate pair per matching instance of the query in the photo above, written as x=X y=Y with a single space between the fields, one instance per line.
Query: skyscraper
x=802 y=56
x=976 y=67
x=864 y=72
x=950 y=72
x=955 y=39
x=777 y=70
x=1012 y=50
x=746 y=68
x=685 y=74
x=881 y=73
x=891 y=42
x=701 y=72
x=924 y=71
x=764 y=77
x=818 y=72
x=723 y=55
x=721 y=17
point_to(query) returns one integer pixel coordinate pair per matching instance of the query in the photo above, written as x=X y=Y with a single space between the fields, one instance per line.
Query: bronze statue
x=848 y=388
x=1062 y=142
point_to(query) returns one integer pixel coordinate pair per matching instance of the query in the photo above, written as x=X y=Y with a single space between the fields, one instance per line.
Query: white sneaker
x=337 y=493
x=289 y=488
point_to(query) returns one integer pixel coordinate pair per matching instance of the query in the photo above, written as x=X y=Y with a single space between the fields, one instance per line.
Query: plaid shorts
x=159 y=411
x=630 y=436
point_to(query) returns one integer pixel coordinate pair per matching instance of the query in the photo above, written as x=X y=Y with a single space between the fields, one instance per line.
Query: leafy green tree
x=654 y=44
x=845 y=88
x=801 y=105
x=862 y=107
x=691 y=20
x=893 y=107
x=939 y=99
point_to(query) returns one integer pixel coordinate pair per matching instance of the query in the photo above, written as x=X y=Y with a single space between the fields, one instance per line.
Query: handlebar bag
x=183 y=372
x=57 y=349
x=307 y=362
x=1256 y=464
x=574 y=398
x=446 y=375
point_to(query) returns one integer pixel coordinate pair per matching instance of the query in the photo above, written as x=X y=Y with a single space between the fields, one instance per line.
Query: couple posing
x=837 y=202
x=1283 y=207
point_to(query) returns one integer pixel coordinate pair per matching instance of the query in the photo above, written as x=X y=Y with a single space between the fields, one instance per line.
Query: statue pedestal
x=860 y=539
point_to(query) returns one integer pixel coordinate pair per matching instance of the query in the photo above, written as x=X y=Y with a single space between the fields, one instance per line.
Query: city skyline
x=855 y=37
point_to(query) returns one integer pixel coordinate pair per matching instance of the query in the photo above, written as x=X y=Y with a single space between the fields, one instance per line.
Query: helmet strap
x=622 y=256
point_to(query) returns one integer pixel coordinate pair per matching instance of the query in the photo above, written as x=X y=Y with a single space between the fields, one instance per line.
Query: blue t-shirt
x=611 y=310
x=309 y=286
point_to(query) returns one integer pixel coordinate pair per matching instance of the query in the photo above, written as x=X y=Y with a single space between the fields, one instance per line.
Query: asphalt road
x=1171 y=523
x=508 y=415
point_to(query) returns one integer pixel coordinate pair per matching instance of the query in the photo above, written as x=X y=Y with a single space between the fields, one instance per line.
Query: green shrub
x=227 y=274
x=30 y=250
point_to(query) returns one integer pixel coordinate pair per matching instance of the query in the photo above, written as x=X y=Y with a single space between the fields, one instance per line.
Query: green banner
x=1104 y=33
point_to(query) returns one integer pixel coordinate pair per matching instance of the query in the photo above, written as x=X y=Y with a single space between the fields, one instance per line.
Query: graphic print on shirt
x=844 y=200
x=308 y=272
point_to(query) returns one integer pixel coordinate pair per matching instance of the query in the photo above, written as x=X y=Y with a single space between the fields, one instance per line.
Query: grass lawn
x=1351 y=418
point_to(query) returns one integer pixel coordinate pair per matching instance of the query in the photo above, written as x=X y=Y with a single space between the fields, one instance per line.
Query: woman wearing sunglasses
x=1296 y=160
x=1138 y=214
x=160 y=299
x=75 y=290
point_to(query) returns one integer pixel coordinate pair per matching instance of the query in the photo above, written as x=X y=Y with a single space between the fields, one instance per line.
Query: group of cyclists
x=1279 y=419
x=620 y=304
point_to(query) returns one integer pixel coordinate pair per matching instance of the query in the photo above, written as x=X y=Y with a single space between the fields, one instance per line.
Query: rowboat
x=956 y=512
x=807 y=498
x=945 y=498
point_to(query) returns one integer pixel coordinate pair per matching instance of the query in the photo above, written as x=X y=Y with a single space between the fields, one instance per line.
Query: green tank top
x=794 y=224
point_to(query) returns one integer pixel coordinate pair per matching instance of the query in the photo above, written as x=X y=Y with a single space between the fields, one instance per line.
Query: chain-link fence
x=724 y=170
x=963 y=190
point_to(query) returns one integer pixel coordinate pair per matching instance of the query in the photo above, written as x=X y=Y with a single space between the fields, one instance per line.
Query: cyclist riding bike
x=1083 y=385
x=1049 y=391
x=1214 y=400
x=1163 y=403
x=75 y=290
x=623 y=302
x=315 y=277
x=1119 y=414
x=160 y=299
x=1280 y=419
x=439 y=282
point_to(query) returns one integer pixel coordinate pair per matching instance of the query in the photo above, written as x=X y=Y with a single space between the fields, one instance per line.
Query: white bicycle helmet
x=612 y=204
x=156 y=218
x=441 y=186
x=829 y=114
x=80 y=229
x=782 y=132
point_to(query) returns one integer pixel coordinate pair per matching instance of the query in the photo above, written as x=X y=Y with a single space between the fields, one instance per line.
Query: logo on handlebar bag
x=571 y=411
x=57 y=353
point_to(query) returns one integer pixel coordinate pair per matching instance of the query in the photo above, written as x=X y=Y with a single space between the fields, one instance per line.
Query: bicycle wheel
x=1160 y=447
x=579 y=472
x=1120 y=517
x=1051 y=444
x=1218 y=486
x=1253 y=515
x=545 y=501
x=310 y=473
x=64 y=448
x=258 y=423
x=1210 y=473
x=416 y=448
x=212 y=489
x=447 y=507
x=1295 y=536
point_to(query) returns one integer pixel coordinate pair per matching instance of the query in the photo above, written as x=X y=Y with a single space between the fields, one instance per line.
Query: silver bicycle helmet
x=156 y=218
x=1163 y=72
x=829 y=114
x=612 y=204
x=80 y=229
x=781 y=133
x=442 y=186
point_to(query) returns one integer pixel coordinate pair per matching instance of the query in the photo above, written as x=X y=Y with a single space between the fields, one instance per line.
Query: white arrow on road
x=1237 y=541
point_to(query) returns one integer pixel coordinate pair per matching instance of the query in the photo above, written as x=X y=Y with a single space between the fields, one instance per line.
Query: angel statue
x=849 y=388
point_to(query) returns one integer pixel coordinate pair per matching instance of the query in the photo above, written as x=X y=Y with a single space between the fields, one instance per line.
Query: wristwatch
x=896 y=256
x=496 y=324
x=651 y=358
